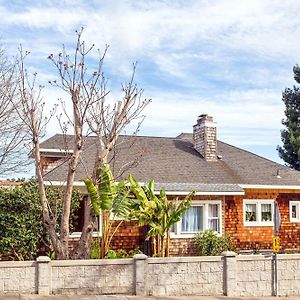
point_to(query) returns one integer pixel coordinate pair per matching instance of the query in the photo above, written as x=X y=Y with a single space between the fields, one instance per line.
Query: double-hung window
x=258 y=212
x=295 y=211
x=200 y=216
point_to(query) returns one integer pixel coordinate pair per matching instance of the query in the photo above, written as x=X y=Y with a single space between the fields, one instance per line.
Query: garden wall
x=230 y=274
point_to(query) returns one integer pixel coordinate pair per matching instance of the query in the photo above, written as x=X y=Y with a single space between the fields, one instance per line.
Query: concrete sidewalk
x=123 y=297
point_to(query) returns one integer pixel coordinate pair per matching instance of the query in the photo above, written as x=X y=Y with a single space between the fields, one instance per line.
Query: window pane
x=251 y=212
x=173 y=228
x=213 y=217
x=192 y=220
x=213 y=210
x=266 y=212
x=213 y=224
x=294 y=211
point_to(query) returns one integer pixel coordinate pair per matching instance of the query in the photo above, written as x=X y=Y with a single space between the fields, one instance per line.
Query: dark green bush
x=22 y=235
x=210 y=244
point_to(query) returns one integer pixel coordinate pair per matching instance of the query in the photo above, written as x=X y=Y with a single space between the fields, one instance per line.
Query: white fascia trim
x=277 y=187
x=204 y=193
x=179 y=193
x=56 y=150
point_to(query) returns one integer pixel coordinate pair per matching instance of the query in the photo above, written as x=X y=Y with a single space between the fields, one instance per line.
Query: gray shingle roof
x=174 y=161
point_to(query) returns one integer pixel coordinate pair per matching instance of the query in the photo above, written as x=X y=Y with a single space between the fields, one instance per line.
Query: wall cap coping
x=43 y=259
x=91 y=262
x=243 y=257
x=254 y=257
x=17 y=264
x=288 y=256
x=184 y=259
x=140 y=256
x=229 y=254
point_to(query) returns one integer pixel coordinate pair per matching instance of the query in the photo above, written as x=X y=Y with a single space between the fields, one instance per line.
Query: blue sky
x=230 y=59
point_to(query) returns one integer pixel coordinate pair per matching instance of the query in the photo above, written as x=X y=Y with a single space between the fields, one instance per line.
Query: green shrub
x=210 y=244
x=22 y=234
x=121 y=253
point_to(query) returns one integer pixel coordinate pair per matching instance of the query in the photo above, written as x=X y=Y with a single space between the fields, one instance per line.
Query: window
x=214 y=217
x=295 y=211
x=258 y=212
x=200 y=216
x=192 y=220
x=80 y=220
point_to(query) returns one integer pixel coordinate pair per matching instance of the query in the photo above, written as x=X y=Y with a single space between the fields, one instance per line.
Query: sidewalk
x=123 y=297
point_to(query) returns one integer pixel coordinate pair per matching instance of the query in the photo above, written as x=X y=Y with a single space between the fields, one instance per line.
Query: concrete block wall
x=229 y=274
x=254 y=275
x=288 y=275
x=92 y=276
x=185 y=276
x=18 y=277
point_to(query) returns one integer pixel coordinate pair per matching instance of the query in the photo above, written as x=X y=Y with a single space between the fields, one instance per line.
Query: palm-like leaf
x=94 y=195
x=106 y=187
x=157 y=211
x=122 y=205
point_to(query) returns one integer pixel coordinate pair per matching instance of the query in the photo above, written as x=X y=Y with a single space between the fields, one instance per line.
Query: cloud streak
x=231 y=59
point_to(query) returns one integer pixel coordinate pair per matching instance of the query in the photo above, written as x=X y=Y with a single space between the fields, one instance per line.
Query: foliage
x=108 y=199
x=22 y=235
x=55 y=197
x=95 y=249
x=210 y=244
x=290 y=136
x=111 y=254
x=121 y=253
x=159 y=213
x=21 y=227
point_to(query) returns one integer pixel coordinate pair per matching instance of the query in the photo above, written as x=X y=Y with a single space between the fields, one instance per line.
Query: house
x=236 y=189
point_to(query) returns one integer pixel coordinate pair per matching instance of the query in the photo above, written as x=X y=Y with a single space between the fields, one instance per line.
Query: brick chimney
x=205 y=137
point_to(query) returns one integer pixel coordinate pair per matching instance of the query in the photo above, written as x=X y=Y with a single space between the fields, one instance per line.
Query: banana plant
x=158 y=212
x=108 y=199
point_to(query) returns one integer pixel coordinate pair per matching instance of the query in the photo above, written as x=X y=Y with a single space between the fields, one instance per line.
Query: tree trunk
x=48 y=223
x=162 y=249
x=73 y=163
x=168 y=243
x=105 y=234
x=83 y=247
x=154 y=246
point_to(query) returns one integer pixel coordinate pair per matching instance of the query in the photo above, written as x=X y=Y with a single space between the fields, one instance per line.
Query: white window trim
x=77 y=234
x=258 y=203
x=204 y=203
x=297 y=203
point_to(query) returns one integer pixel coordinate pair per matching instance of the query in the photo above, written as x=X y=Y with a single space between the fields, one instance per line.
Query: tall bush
x=210 y=244
x=22 y=235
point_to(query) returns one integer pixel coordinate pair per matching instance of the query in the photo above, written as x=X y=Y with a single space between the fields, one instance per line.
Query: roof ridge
x=262 y=157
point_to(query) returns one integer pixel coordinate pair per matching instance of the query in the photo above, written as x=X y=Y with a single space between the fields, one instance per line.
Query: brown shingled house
x=236 y=189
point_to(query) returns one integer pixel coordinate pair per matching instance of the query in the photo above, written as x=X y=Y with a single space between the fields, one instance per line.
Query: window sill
x=78 y=235
x=259 y=224
x=186 y=235
x=295 y=220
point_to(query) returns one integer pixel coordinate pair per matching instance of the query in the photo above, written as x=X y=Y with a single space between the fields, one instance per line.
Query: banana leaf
x=94 y=196
x=106 y=187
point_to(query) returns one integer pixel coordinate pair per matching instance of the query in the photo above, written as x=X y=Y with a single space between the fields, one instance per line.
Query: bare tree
x=90 y=114
x=13 y=136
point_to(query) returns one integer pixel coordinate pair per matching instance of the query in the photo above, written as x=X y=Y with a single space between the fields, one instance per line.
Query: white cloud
x=228 y=58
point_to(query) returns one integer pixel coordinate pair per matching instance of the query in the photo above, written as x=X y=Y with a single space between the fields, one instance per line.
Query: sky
x=230 y=59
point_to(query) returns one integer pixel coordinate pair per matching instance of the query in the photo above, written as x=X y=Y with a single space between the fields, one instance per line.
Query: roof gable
x=174 y=160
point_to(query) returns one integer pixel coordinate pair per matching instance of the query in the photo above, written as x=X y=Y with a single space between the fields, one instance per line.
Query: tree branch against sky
x=13 y=137
x=84 y=110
